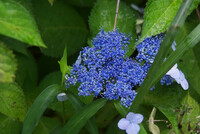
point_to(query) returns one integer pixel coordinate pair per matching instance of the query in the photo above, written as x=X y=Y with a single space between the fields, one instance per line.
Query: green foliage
x=190 y=111
x=8 y=64
x=9 y=125
x=159 y=15
x=29 y=75
x=17 y=22
x=60 y=26
x=78 y=105
x=12 y=101
x=38 y=107
x=103 y=16
x=74 y=125
x=47 y=126
x=64 y=68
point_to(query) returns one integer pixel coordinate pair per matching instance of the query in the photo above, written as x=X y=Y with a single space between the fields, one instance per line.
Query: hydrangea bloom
x=130 y=123
x=147 y=51
x=104 y=70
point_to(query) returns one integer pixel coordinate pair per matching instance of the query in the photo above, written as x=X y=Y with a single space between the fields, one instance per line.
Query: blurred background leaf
x=60 y=26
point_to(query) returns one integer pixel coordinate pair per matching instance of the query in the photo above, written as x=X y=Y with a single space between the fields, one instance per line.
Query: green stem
x=164 y=48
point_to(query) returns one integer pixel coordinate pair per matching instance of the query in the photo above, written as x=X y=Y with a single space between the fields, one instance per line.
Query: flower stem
x=117 y=9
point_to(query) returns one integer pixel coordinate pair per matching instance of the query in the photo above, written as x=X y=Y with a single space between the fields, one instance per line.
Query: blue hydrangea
x=104 y=70
x=147 y=51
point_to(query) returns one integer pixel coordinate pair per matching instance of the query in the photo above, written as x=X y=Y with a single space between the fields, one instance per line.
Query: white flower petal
x=133 y=129
x=172 y=70
x=185 y=84
x=174 y=46
x=62 y=97
x=134 y=118
x=123 y=124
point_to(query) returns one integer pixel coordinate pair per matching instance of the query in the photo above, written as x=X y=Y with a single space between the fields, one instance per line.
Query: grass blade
x=78 y=105
x=75 y=124
x=38 y=107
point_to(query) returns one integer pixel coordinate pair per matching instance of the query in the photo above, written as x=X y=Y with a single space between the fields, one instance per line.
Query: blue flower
x=147 y=51
x=105 y=71
x=130 y=123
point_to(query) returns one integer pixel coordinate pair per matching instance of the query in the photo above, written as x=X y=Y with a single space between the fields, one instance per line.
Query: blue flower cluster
x=105 y=70
x=147 y=51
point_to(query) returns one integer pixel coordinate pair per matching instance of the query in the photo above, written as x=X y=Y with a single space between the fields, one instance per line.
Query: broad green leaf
x=12 y=101
x=63 y=65
x=9 y=125
x=74 y=125
x=152 y=127
x=78 y=105
x=60 y=26
x=123 y=111
x=190 y=112
x=38 y=107
x=103 y=16
x=8 y=64
x=159 y=15
x=46 y=125
x=171 y=114
x=17 y=22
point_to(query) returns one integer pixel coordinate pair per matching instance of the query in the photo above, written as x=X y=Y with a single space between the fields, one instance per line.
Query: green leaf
x=78 y=105
x=60 y=26
x=17 y=22
x=8 y=64
x=152 y=127
x=171 y=114
x=103 y=16
x=9 y=125
x=12 y=101
x=63 y=65
x=191 y=111
x=38 y=107
x=189 y=64
x=123 y=111
x=142 y=130
x=159 y=15
x=74 y=125
x=46 y=125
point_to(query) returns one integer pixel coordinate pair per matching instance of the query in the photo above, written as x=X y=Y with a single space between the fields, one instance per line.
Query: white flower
x=130 y=123
x=179 y=76
x=62 y=97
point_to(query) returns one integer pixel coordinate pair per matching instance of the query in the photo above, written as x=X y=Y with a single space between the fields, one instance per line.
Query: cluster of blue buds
x=104 y=70
x=147 y=51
